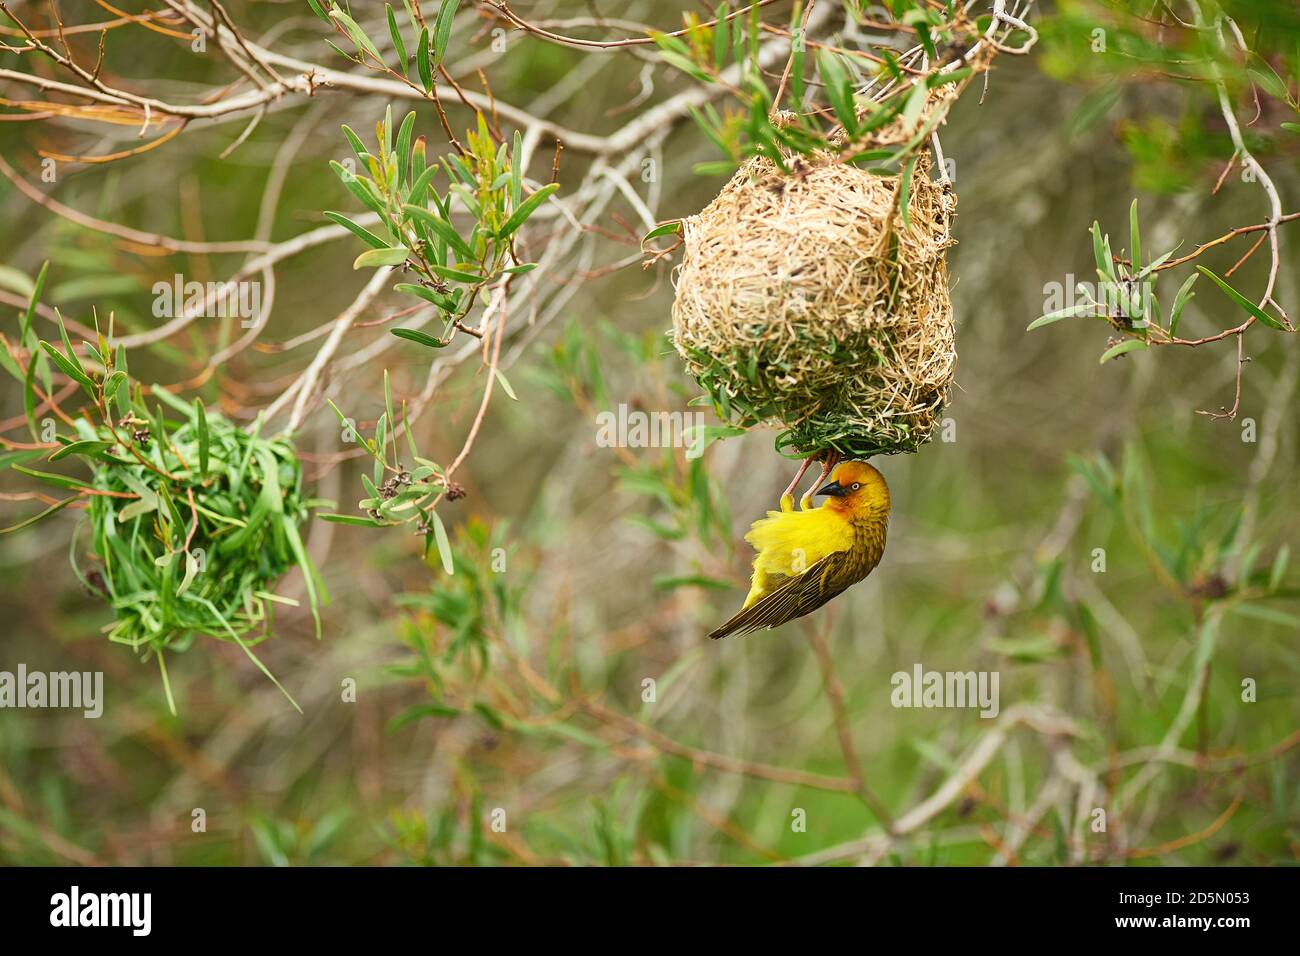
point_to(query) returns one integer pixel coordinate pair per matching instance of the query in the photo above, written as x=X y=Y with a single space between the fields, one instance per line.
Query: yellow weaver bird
x=807 y=557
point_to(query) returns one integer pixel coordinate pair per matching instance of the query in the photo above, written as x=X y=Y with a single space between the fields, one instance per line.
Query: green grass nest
x=810 y=301
x=191 y=527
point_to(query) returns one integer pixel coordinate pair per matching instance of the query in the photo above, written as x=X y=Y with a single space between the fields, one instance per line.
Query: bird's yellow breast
x=789 y=542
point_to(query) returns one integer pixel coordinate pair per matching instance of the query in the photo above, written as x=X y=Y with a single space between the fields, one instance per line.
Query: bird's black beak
x=834 y=489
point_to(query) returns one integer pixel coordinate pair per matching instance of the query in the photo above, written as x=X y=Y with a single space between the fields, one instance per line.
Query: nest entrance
x=805 y=299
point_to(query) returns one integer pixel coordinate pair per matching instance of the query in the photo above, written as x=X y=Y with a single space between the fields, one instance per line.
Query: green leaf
x=1086 y=308
x=365 y=235
x=444 y=546
x=420 y=338
x=72 y=369
x=516 y=170
x=422 y=62
x=88 y=448
x=1128 y=345
x=381 y=257
x=442 y=29
x=1185 y=295
x=57 y=506
x=356 y=34
x=33 y=301
x=915 y=104
x=201 y=418
x=443 y=228
x=396 y=34
x=444 y=302
x=839 y=89
x=353 y=184
x=404 y=139
x=667 y=228
x=50 y=478
x=350 y=519
x=526 y=209
x=1278 y=570
x=1134 y=239
x=505 y=384
x=456 y=275
x=1242 y=301
x=29 y=391
x=421 y=185
x=1101 y=252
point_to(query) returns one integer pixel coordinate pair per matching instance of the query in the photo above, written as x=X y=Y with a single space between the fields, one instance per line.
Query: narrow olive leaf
x=1185 y=295
x=1155 y=264
x=839 y=89
x=410 y=445
x=1134 y=239
x=356 y=34
x=316 y=9
x=33 y=301
x=505 y=384
x=113 y=383
x=396 y=34
x=388 y=411
x=667 y=228
x=1101 y=253
x=442 y=228
x=422 y=62
x=350 y=519
x=1278 y=570
x=442 y=29
x=381 y=448
x=520 y=269
x=88 y=448
x=1128 y=345
x=516 y=170
x=1242 y=301
x=29 y=392
x=50 y=478
x=381 y=257
x=525 y=209
x=421 y=184
x=915 y=105
x=444 y=546
x=354 y=141
x=456 y=275
x=57 y=506
x=201 y=419
x=404 y=133
x=339 y=50
x=444 y=302
x=353 y=184
x=1086 y=308
x=420 y=338
x=362 y=233
x=70 y=369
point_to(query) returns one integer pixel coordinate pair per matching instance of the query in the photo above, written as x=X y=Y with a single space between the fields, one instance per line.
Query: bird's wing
x=794 y=598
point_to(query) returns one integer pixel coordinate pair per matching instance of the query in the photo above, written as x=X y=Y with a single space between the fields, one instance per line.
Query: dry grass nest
x=805 y=299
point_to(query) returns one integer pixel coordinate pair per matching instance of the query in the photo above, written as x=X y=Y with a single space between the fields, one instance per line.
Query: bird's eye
x=857 y=485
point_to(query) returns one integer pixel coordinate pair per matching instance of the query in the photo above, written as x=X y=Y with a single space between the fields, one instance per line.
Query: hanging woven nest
x=806 y=300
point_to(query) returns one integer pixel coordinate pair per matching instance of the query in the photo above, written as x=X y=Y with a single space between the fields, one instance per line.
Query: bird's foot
x=829 y=462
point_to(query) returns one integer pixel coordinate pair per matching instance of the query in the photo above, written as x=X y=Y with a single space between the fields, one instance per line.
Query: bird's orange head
x=856 y=488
